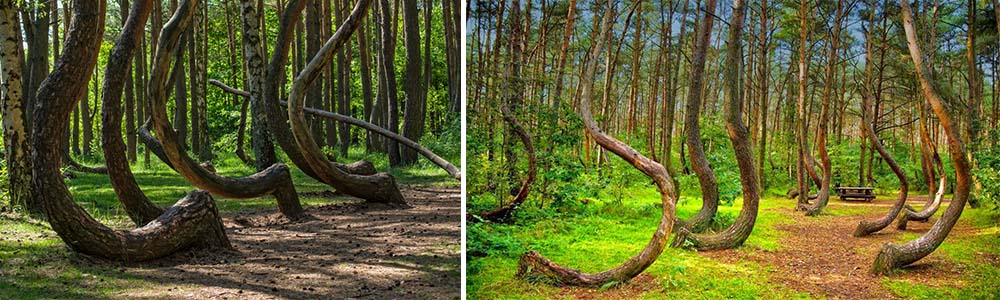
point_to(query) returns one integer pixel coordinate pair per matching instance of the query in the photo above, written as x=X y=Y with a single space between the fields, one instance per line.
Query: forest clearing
x=733 y=149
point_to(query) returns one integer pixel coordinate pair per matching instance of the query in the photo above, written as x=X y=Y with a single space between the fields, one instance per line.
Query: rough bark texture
x=692 y=130
x=388 y=57
x=532 y=264
x=260 y=137
x=134 y=201
x=193 y=221
x=275 y=180
x=416 y=106
x=738 y=232
x=868 y=227
x=379 y=187
x=801 y=132
x=17 y=149
x=931 y=207
x=893 y=256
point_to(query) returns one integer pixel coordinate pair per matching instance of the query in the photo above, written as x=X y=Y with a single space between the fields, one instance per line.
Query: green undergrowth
x=36 y=264
x=600 y=232
x=976 y=255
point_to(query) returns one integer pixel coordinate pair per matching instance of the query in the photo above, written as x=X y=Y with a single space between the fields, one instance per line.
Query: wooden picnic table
x=861 y=193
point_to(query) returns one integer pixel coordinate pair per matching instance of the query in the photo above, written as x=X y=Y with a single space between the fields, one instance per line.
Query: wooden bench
x=848 y=193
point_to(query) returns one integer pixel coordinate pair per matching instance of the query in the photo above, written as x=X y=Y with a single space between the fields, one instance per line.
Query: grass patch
x=36 y=264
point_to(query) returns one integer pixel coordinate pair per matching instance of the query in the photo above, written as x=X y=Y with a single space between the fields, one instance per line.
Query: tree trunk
x=260 y=137
x=416 y=106
x=379 y=187
x=275 y=180
x=823 y=195
x=561 y=61
x=692 y=130
x=868 y=227
x=738 y=232
x=893 y=256
x=533 y=264
x=138 y=207
x=388 y=71
x=193 y=221
x=802 y=133
x=17 y=149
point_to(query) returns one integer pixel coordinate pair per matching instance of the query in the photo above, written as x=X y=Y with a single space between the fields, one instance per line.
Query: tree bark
x=532 y=264
x=379 y=187
x=260 y=137
x=388 y=57
x=692 y=130
x=416 y=106
x=193 y=221
x=802 y=133
x=893 y=256
x=138 y=207
x=275 y=180
x=737 y=233
x=823 y=196
x=17 y=148
x=868 y=227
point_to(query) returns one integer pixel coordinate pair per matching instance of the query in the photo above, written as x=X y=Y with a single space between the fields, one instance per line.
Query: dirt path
x=343 y=251
x=821 y=257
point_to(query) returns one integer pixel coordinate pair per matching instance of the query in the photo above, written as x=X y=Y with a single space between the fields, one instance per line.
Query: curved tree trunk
x=738 y=232
x=505 y=213
x=275 y=120
x=924 y=215
x=362 y=167
x=379 y=187
x=692 y=130
x=134 y=201
x=533 y=264
x=868 y=227
x=193 y=221
x=275 y=180
x=823 y=196
x=893 y=256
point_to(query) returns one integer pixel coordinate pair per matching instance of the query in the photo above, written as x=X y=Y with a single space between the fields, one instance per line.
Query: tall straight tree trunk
x=312 y=40
x=344 y=85
x=416 y=106
x=450 y=12
x=802 y=131
x=260 y=137
x=563 y=50
x=180 y=92
x=38 y=54
x=17 y=149
x=366 y=79
x=763 y=75
x=87 y=118
x=973 y=127
x=192 y=47
x=388 y=72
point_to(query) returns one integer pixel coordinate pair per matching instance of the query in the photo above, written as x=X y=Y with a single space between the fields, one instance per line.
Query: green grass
x=36 y=264
x=607 y=231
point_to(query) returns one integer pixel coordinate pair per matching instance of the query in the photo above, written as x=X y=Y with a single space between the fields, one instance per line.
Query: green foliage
x=988 y=175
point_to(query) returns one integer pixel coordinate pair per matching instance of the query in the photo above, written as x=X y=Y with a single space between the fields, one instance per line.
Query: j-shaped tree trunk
x=193 y=221
x=931 y=207
x=823 y=196
x=893 y=256
x=275 y=180
x=692 y=130
x=380 y=187
x=14 y=110
x=532 y=264
x=738 y=232
x=868 y=227
x=134 y=201
x=505 y=213
x=274 y=118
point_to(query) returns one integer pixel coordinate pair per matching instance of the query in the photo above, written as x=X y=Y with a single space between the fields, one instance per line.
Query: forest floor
x=787 y=256
x=344 y=249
